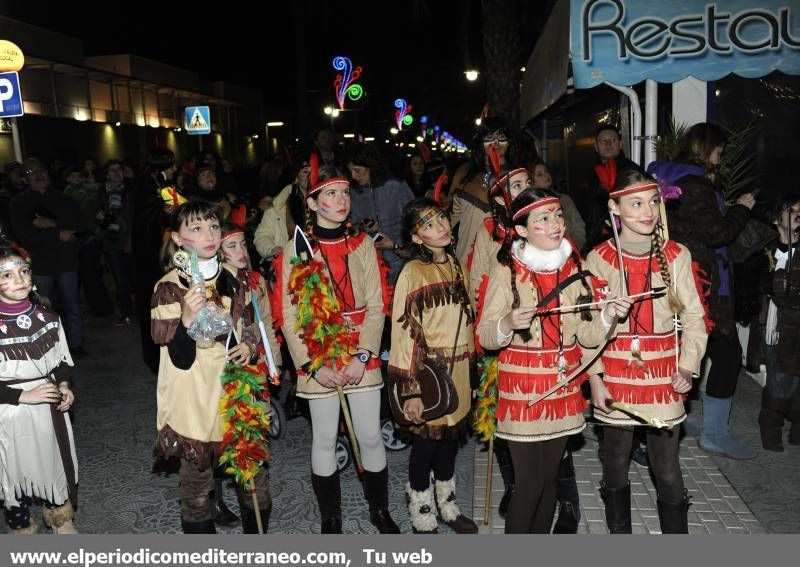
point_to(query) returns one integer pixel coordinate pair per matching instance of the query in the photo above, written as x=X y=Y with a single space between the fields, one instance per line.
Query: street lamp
x=332 y=112
x=393 y=130
x=267 y=126
x=471 y=74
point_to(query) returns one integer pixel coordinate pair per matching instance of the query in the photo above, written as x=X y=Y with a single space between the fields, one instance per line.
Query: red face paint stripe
x=540 y=203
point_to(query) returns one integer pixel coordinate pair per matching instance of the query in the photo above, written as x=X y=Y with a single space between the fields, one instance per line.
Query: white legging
x=365 y=408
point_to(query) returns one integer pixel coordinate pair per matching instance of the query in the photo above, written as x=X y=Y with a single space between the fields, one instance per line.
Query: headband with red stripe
x=501 y=183
x=540 y=203
x=635 y=188
x=233 y=232
x=327 y=183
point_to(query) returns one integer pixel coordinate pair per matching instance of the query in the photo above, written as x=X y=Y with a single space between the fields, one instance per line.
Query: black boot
x=221 y=514
x=673 y=517
x=618 y=508
x=376 y=489
x=329 y=498
x=449 y=512
x=507 y=472
x=249 y=521
x=770 y=421
x=201 y=527
x=569 y=507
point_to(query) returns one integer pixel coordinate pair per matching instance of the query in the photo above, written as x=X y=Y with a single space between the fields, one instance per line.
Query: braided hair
x=626 y=178
x=411 y=215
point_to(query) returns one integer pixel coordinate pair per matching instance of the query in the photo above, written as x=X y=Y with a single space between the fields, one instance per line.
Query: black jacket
x=695 y=220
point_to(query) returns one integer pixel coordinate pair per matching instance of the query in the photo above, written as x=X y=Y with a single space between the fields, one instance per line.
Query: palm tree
x=501 y=49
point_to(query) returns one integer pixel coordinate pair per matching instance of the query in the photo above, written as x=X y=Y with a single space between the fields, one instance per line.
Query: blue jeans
x=68 y=289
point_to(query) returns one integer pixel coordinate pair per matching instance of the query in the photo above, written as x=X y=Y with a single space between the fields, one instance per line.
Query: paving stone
x=639 y=529
x=731 y=521
x=709 y=491
x=718 y=479
x=695 y=529
x=728 y=492
x=644 y=502
x=591 y=501
x=754 y=527
x=720 y=506
x=716 y=528
x=597 y=528
x=595 y=515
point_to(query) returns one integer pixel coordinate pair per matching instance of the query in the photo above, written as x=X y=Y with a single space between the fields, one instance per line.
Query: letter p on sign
x=10 y=95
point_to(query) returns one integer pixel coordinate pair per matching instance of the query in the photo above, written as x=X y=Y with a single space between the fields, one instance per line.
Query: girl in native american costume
x=532 y=315
x=508 y=182
x=646 y=366
x=36 y=441
x=482 y=260
x=432 y=317
x=189 y=421
x=333 y=309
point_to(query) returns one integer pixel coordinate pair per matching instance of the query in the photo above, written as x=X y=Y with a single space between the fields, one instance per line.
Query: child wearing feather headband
x=342 y=283
x=646 y=366
x=532 y=316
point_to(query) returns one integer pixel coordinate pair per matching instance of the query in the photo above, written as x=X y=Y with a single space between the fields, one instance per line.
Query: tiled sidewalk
x=716 y=508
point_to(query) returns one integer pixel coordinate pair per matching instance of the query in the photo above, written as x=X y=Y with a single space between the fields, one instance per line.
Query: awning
x=545 y=77
x=627 y=41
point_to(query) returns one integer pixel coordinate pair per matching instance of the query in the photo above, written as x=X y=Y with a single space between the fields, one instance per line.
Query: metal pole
x=200 y=141
x=266 y=135
x=636 y=122
x=17 y=140
x=650 y=121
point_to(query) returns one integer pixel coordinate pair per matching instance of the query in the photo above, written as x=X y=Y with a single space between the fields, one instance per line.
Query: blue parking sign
x=10 y=95
x=198 y=120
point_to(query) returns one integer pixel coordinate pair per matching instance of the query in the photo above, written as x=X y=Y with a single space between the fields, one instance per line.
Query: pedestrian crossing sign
x=198 y=120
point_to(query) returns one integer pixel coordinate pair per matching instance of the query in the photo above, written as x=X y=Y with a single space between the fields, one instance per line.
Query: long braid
x=504 y=258
x=675 y=304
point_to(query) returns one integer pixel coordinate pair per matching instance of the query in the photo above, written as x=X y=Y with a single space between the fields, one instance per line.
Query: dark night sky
x=415 y=49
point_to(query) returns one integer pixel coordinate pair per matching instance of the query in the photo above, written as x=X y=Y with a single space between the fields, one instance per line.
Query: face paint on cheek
x=539 y=229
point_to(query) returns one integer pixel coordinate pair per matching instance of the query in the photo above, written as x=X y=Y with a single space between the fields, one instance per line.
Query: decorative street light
x=471 y=74
x=267 y=126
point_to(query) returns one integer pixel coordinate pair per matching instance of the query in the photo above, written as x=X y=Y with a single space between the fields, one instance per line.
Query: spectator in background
x=541 y=179
x=469 y=188
x=115 y=217
x=377 y=202
x=325 y=144
x=288 y=209
x=416 y=179
x=593 y=202
x=150 y=213
x=13 y=185
x=91 y=176
x=45 y=222
x=702 y=222
x=90 y=254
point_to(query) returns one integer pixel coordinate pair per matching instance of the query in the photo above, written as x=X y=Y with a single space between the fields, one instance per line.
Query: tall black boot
x=329 y=498
x=201 y=527
x=503 y=456
x=618 y=508
x=569 y=506
x=376 y=489
x=770 y=421
x=249 y=520
x=674 y=517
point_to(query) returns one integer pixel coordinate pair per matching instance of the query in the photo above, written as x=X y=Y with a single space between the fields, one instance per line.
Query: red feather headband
x=540 y=203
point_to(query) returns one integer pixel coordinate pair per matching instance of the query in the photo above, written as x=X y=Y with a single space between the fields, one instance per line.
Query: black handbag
x=437 y=389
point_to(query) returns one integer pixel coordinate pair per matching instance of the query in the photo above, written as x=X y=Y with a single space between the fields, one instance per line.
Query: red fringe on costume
x=386 y=288
x=703 y=285
x=639 y=394
x=538 y=358
x=608 y=253
x=550 y=408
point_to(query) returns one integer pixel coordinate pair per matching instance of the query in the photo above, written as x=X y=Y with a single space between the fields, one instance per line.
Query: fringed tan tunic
x=425 y=316
x=649 y=388
x=528 y=368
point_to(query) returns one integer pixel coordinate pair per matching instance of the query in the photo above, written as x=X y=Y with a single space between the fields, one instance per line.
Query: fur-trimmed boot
x=449 y=512
x=59 y=519
x=420 y=509
x=33 y=528
x=618 y=508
